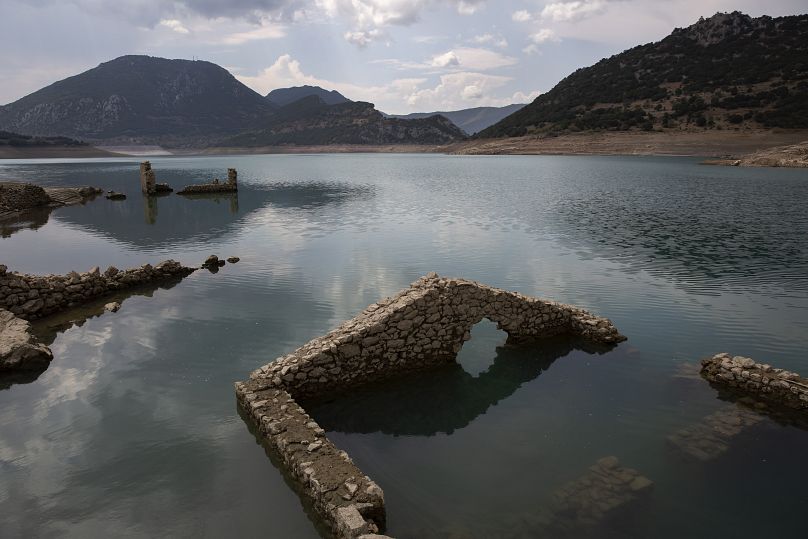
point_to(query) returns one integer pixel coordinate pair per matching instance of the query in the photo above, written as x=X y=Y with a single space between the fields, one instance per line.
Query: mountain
x=27 y=141
x=728 y=71
x=469 y=120
x=284 y=96
x=140 y=98
x=311 y=121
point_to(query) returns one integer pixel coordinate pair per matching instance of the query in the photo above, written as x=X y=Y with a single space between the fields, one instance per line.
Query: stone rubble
x=712 y=436
x=605 y=489
x=759 y=380
x=17 y=197
x=421 y=327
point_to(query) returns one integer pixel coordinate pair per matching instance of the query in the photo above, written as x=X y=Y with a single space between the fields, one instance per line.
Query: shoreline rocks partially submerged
x=17 y=198
x=19 y=349
x=793 y=156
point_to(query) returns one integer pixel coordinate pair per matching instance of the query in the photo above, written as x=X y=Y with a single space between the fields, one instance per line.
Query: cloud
x=572 y=11
x=368 y=18
x=445 y=60
x=175 y=25
x=521 y=16
x=451 y=91
x=362 y=38
x=484 y=39
x=270 y=31
x=457 y=59
x=543 y=36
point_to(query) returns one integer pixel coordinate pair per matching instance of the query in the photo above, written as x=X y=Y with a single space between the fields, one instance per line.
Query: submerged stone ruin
x=148 y=181
x=712 y=436
x=230 y=186
x=759 y=380
x=29 y=297
x=421 y=327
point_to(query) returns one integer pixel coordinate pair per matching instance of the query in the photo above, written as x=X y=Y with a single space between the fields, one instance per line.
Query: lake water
x=133 y=430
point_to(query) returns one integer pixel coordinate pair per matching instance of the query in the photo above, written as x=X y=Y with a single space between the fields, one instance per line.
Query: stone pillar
x=232 y=176
x=147 y=178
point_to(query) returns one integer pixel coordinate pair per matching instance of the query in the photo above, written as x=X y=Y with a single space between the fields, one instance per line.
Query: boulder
x=19 y=349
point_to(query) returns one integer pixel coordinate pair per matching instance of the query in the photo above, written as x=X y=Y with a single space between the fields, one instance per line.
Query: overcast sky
x=404 y=56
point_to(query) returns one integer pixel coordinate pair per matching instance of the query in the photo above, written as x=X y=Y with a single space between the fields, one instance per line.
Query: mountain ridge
x=723 y=72
x=471 y=120
x=284 y=96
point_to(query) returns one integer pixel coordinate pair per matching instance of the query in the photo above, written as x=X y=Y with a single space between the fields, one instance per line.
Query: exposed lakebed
x=133 y=429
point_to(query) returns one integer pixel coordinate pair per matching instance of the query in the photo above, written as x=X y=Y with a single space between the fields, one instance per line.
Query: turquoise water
x=133 y=430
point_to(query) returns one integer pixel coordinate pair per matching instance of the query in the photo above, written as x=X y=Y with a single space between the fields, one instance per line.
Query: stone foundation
x=761 y=381
x=34 y=296
x=712 y=436
x=421 y=327
x=231 y=186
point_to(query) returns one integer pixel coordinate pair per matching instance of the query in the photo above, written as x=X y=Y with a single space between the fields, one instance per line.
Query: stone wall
x=34 y=296
x=148 y=180
x=421 y=327
x=759 y=380
x=231 y=186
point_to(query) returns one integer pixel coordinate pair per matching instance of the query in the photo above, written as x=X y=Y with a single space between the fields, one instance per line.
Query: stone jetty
x=759 y=380
x=230 y=186
x=421 y=327
x=28 y=297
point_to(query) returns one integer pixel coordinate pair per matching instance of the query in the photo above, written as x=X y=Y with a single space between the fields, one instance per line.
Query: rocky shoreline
x=793 y=156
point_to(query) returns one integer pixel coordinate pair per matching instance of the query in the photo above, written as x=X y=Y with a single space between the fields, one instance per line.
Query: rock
x=112 y=195
x=19 y=349
x=640 y=483
x=233 y=259
x=211 y=261
x=112 y=307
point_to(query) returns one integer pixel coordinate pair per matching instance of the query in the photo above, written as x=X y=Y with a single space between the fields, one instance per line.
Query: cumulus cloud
x=368 y=18
x=457 y=90
x=522 y=15
x=543 y=36
x=486 y=39
x=174 y=25
x=571 y=11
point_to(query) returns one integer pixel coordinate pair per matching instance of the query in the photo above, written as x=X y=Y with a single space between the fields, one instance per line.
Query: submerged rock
x=112 y=307
x=233 y=259
x=112 y=195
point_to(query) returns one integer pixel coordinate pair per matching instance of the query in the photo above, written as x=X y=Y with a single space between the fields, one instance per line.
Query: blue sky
x=404 y=56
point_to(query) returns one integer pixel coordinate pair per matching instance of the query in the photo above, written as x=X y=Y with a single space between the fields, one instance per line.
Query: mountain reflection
x=171 y=220
x=443 y=399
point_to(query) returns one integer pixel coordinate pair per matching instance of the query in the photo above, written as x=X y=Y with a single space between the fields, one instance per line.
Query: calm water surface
x=133 y=430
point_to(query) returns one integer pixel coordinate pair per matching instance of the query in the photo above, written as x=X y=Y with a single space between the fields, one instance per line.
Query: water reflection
x=443 y=399
x=48 y=329
x=29 y=220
